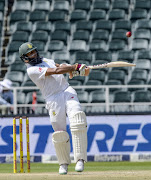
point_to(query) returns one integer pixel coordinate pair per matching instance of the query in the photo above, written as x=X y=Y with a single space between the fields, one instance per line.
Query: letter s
x=146 y=132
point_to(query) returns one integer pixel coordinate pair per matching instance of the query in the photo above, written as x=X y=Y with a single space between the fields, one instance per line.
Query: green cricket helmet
x=24 y=49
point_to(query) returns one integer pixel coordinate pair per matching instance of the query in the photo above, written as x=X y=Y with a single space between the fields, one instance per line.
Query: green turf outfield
x=90 y=166
x=93 y=171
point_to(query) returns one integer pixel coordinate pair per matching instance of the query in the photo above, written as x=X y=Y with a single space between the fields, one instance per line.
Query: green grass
x=90 y=166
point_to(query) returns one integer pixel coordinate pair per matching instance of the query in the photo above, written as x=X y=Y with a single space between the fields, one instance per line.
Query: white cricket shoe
x=63 y=169
x=80 y=165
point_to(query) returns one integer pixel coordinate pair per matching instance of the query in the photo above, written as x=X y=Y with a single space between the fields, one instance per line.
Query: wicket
x=21 y=144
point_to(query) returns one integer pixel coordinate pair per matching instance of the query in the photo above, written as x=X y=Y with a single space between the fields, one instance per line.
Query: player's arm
x=82 y=72
x=61 y=69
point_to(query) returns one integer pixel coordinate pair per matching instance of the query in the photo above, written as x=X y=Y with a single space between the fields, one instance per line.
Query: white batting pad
x=78 y=127
x=61 y=143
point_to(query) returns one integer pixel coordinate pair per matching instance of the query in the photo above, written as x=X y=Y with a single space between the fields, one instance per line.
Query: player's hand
x=77 y=73
x=84 y=70
x=73 y=74
x=81 y=68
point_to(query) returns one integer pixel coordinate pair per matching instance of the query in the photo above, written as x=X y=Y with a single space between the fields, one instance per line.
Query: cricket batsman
x=61 y=100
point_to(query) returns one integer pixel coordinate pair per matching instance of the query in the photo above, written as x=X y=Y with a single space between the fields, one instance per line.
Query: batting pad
x=61 y=143
x=78 y=127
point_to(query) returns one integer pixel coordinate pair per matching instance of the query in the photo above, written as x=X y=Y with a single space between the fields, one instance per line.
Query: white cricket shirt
x=49 y=85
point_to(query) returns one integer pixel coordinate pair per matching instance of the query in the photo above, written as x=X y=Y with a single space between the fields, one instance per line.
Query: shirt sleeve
x=3 y=101
x=36 y=72
x=52 y=61
x=8 y=96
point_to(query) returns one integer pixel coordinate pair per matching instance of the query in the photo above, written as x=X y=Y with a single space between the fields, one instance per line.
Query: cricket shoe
x=63 y=169
x=79 y=166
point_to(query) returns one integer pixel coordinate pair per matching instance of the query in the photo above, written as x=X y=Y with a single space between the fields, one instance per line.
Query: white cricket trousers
x=63 y=104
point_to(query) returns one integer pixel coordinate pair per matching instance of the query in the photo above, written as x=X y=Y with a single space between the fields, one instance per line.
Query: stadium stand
x=103 y=24
x=92 y=83
x=21 y=98
x=97 y=96
x=139 y=4
x=42 y=26
x=100 y=34
x=22 y=6
x=117 y=75
x=27 y=84
x=60 y=35
x=135 y=82
x=122 y=97
x=113 y=82
x=103 y=55
x=15 y=76
x=144 y=64
x=56 y=46
x=104 y=4
x=97 y=14
x=61 y=56
x=17 y=16
x=3 y=5
x=125 y=55
x=120 y=4
x=20 y=36
x=96 y=45
x=40 y=45
x=62 y=26
x=77 y=45
x=54 y=16
x=141 y=96
x=83 y=55
x=83 y=96
x=143 y=24
x=83 y=31
x=143 y=54
x=139 y=44
x=123 y=24
x=40 y=36
x=83 y=5
x=37 y=15
x=138 y=14
x=117 y=44
x=74 y=82
x=142 y=34
x=41 y=6
x=140 y=74
x=116 y=14
x=97 y=75
x=61 y=6
x=24 y=26
x=77 y=15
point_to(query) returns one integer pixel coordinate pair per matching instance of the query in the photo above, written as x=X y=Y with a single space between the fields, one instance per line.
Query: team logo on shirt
x=53 y=113
x=40 y=69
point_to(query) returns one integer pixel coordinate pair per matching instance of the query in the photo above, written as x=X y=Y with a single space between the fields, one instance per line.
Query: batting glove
x=81 y=69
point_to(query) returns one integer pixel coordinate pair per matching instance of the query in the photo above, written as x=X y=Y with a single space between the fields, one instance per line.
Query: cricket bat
x=106 y=65
x=112 y=64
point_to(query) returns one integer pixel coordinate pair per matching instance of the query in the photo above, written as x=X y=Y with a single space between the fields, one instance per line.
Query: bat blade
x=112 y=64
